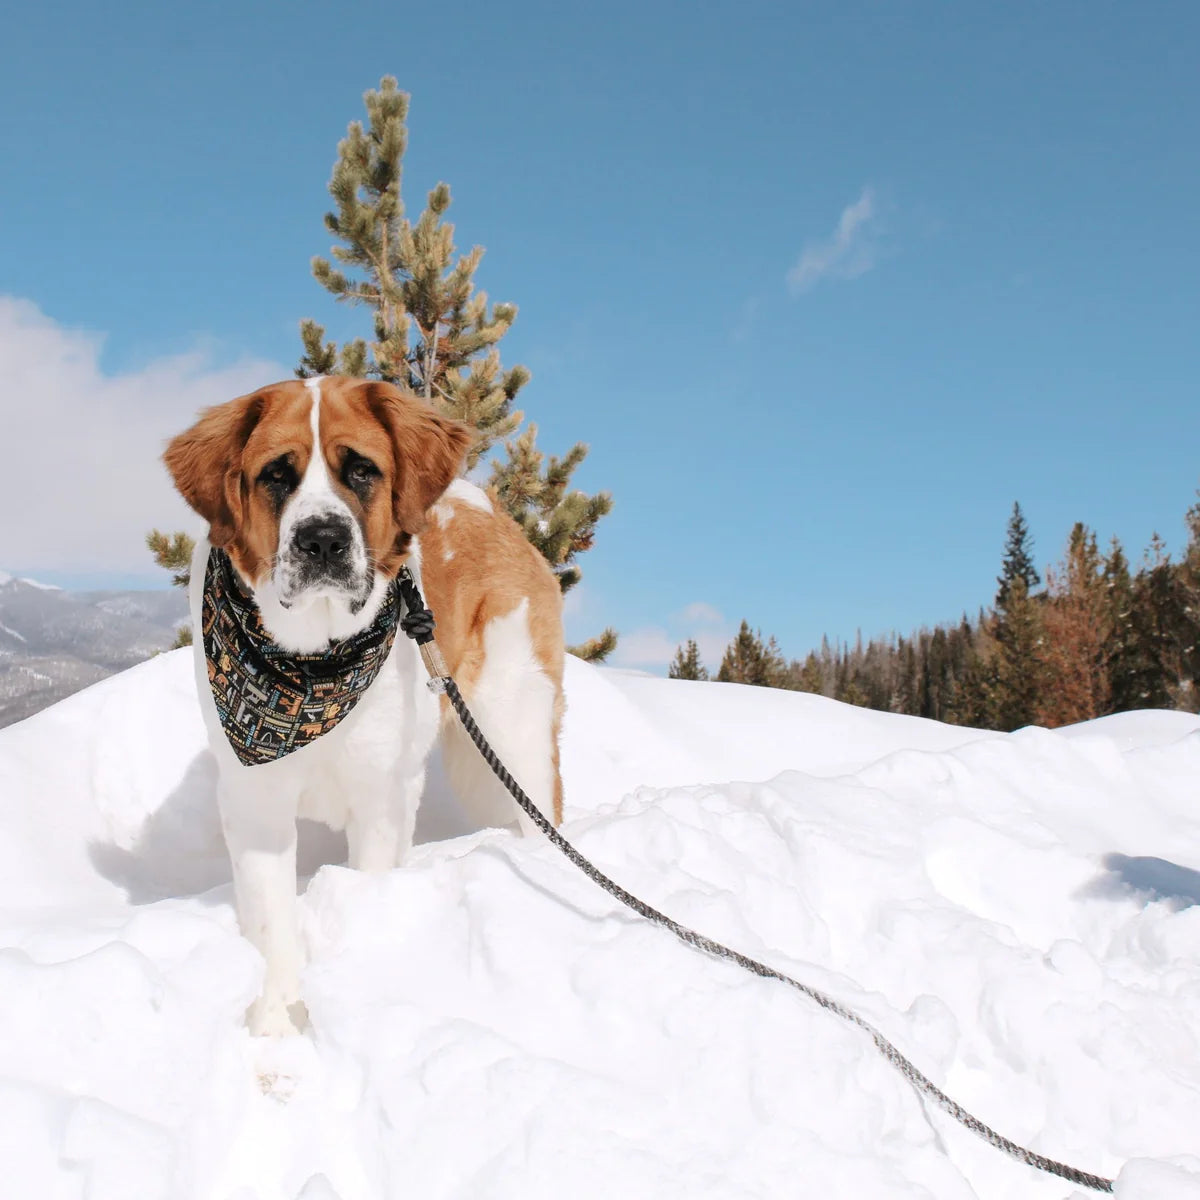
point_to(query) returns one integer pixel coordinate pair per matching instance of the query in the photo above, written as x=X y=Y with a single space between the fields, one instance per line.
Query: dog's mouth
x=297 y=588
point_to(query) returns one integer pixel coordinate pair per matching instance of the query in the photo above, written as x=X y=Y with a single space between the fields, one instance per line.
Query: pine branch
x=172 y=552
x=597 y=649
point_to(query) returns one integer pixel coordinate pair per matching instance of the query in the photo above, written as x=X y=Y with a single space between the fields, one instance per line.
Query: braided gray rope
x=922 y=1084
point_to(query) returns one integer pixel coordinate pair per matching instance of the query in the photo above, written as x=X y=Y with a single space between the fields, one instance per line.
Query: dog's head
x=315 y=488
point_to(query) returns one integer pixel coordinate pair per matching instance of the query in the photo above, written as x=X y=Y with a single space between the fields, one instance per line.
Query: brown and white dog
x=318 y=491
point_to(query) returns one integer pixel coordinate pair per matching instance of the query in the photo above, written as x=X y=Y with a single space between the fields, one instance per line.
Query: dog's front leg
x=260 y=831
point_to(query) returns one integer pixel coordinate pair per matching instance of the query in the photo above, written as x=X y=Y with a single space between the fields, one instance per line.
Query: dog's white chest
x=388 y=736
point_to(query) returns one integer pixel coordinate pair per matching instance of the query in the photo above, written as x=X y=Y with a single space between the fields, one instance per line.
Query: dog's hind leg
x=518 y=706
x=379 y=828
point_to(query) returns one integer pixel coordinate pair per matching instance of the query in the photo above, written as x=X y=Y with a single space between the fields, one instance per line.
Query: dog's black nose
x=322 y=542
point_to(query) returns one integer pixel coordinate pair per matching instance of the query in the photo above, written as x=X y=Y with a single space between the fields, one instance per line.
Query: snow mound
x=1019 y=913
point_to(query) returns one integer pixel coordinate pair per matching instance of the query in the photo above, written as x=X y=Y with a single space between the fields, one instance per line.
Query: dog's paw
x=276 y=1018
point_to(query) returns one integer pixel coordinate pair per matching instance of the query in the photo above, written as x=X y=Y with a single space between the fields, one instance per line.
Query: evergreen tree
x=1150 y=629
x=1122 y=657
x=1076 y=618
x=1165 y=620
x=748 y=659
x=686 y=663
x=976 y=697
x=809 y=677
x=1188 y=616
x=174 y=553
x=1018 y=677
x=908 y=683
x=1018 y=558
x=1015 y=675
x=435 y=335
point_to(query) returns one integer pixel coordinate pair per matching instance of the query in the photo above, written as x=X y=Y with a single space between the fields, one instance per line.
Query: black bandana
x=270 y=700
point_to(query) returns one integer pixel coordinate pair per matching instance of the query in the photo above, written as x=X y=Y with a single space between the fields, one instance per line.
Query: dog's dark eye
x=358 y=472
x=278 y=477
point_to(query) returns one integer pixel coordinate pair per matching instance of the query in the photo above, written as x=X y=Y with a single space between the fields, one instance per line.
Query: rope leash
x=418 y=624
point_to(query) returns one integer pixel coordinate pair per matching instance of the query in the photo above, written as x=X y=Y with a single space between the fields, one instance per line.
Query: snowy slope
x=1020 y=914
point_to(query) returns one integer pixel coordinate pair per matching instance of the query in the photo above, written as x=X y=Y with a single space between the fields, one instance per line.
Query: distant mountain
x=54 y=642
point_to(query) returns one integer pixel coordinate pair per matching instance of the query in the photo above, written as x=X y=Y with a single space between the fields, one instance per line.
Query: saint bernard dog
x=316 y=493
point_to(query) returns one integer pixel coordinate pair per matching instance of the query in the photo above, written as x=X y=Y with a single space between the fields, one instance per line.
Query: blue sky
x=825 y=287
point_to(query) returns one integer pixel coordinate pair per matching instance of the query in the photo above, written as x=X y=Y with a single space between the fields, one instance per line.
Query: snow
x=1019 y=913
x=11 y=632
x=6 y=578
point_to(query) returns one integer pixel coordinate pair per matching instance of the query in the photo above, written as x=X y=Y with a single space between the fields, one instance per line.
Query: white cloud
x=649 y=646
x=699 y=613
x=82 y=481
x=654 y=646
x=846 y=254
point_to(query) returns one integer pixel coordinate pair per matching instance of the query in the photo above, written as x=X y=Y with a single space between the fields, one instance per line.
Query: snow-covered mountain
x=54 y=642
x=1019 y=913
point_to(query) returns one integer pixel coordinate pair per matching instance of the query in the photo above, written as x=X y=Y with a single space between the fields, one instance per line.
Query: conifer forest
x=1094 y=637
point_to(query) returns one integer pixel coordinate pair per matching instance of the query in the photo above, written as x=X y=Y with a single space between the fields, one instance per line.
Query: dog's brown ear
x=206 y=463
x=429 y=450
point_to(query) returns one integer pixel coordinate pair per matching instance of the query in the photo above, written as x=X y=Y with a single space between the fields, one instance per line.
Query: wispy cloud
x=654 y=646
x=846 y=254
x=699 y=613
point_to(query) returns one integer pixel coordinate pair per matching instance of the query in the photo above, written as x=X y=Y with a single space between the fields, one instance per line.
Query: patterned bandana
x=270 y=700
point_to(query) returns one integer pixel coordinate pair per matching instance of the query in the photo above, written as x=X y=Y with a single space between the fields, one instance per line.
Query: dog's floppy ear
x=429 y=450
x=206 y=463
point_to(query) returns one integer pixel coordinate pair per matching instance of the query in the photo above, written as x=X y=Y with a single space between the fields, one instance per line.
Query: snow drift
x=1020 y=914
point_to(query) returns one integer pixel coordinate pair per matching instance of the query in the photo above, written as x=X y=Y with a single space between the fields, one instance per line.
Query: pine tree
x=174 y=553
x=1165 y=620
x=1122 y=658
x=1150 y=620
x=1018 y=558
x=1076 y=620
x=686 y=663
x=1018 y=679
x=1188 y=616
x=809 y=677
x=1016 y=674
x=749 y=660
x=976 y=698
x=435 y=335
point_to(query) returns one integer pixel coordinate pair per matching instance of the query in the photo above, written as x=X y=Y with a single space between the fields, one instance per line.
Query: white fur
x=512 y=680
x=465 y=493
x=367 y=774
x=469 y=493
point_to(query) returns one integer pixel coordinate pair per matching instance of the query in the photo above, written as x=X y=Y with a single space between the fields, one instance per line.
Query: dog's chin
x=349 y=595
